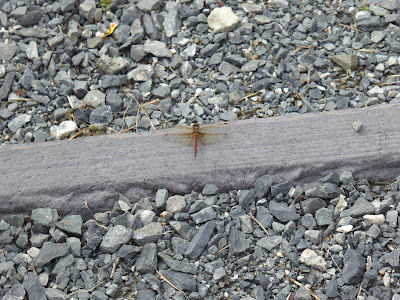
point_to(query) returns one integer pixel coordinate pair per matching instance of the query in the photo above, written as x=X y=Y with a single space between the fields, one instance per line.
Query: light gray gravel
x=116 y=255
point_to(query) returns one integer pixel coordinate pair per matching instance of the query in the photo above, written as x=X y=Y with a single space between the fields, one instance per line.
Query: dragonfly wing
x=179 y=138
x=211 y=138
x=212 y=134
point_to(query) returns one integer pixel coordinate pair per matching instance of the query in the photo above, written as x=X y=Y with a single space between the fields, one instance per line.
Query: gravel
x=193 y=61
x=274 y=248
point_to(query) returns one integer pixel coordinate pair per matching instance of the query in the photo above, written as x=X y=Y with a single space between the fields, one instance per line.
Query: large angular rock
x=7 y=51
x=346 y=61
x=50 y=251
x=263 y=186
x=71 y=224
x=150 y=233
x=354 y=267
x=270 y=242
x=200 y=240
x=185 y=282
x=172 y=22
x=322 y=190
x=33 y=287
x=147 y=260
x=112 y=66
x=87 y=9
x=238 y=241
x=158 y=49
x=360 y=208
x=17 y=292
x=115 y=238
x=282 y=212
x=19 y=122
x=101 y=115
x=8 y=80
x=149 y=5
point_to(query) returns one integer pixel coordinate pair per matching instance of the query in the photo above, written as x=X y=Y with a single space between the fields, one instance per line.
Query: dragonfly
x=197 y=134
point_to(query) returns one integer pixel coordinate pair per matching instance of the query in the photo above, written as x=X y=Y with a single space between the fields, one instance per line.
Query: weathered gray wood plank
x=293 y=147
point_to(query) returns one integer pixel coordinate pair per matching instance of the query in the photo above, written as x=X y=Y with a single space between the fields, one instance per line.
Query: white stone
x=376 y=90
x=357 y=125
x=380 y=67
x=33 y=252
x=342 y=204
x=124 y=206
x=375 y=219
x=147 y=216
x=377 y=36
x=362 y=14
x=32 y=50
x=312 y=259
x=63 y=130
x=166 y=215
x=222 y=19
x=345 y=228
x=393 y=61
x=2 y=71
x=43 y=278
x=280 y=3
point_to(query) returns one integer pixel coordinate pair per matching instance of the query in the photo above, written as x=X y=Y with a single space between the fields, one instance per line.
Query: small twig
x=127 y=129
x=169 y=282
x=364 y=50
x=102 y=226
x=309 y=79
x=359 y=292
x=327 y=250
x=124 y=115
x=247 y=96
x=114 y=267
x=188 y=82
x=89 y=290
x=283 y=30
x=303 y=47
x=1 y=251
x=78 y=133
x=388 y=83
x=258 y=222
x=70 y=102
x=18 y=99
x=306 y=102
x=299 y=284
x=141 y=107
x=350 y=27
x=222 y=249
x=85 y=202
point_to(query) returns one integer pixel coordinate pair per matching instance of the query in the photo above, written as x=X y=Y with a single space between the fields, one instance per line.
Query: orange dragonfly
x=205 y=135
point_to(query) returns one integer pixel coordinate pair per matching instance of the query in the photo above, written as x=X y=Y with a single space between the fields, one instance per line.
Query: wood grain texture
x=301 y=148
